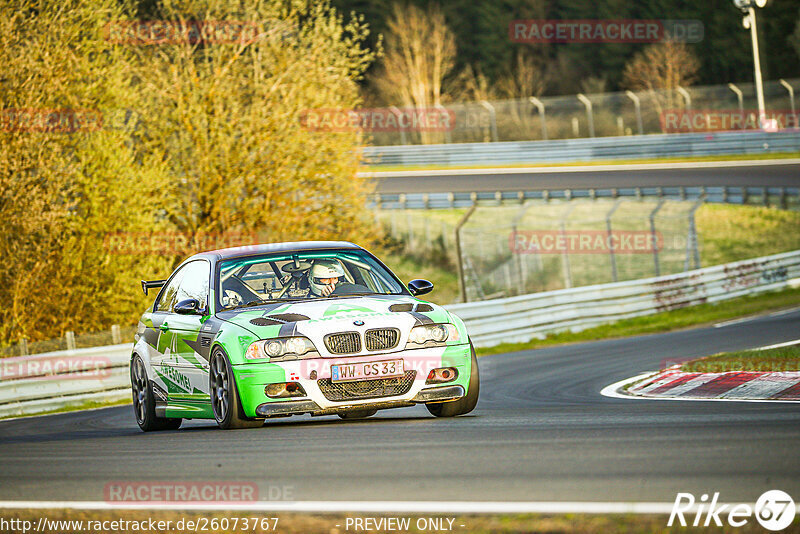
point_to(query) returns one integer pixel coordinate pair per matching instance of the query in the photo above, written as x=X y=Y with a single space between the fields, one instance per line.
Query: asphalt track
x=690 y=175
x=541 y=432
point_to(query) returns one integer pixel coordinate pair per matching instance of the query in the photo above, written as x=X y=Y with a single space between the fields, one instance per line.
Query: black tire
x=144 y=404
x=465 y=404
x=225 y=396
x=358 y=414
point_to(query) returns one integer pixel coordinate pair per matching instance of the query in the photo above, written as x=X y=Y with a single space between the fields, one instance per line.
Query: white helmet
x=323 y=269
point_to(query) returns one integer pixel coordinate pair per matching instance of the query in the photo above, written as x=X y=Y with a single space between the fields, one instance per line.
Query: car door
x=187 y=364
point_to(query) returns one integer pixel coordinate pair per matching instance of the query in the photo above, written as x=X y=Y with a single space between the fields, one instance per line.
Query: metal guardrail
x=518 y=319
x=587 y=149
x=783 y=197
x=64 y=379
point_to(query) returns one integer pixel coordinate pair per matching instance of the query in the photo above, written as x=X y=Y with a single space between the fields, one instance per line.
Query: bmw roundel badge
x=358 y=323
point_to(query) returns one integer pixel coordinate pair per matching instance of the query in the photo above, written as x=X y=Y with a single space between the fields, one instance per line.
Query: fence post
x=738 y=92
x=653 y=235
x=789 y=88
x=540 y=106
x=116 y=337
x=611 y=254
x=686 y=97
x=565 y=254
x=459 y=256
x=589 y=113
x=23 y=346
x=396 y=112
x=70 y=336
x=638 y=107
x=692 y=243
x=490 y=107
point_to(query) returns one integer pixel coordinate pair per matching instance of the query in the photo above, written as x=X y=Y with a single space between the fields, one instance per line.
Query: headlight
x=282 y=347
x=435 y=334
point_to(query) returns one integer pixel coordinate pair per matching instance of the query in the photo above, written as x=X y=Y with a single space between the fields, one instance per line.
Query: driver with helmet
x=323 y=277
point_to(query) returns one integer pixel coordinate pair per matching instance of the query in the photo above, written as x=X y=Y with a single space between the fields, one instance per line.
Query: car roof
x=265 y=248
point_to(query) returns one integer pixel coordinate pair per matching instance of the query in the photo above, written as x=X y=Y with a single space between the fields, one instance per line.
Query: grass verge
x=89 y=405
x=663 y=322
x=768 y=360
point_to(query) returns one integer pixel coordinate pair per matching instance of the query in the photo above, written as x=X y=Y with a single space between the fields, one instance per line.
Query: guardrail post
x=638 y=107
x=116 y=337
x=589 y=113
x=490 y=107
x=459 y=256
x=652 y=218
x=70 y=336
x=23 y=346
x=611 y=254
x=540 y=106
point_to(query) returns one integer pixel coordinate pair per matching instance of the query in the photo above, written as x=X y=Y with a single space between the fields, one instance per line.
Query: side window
x=194 y=282
x=190 y=282
x=168 y=296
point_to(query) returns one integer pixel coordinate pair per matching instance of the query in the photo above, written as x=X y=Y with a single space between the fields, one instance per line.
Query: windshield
x=254 y=280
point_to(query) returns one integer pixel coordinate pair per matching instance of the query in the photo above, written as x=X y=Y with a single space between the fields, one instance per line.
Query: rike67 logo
x=774 y=510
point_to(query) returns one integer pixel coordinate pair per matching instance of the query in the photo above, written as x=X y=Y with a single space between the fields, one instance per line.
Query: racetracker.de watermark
x=166 y=32
x=144 y=243
x=57 y=367
x=193 y=492
x=376 y=120
x=714 y=120
x=50 y=120
x=556 y=31
x=584 y=241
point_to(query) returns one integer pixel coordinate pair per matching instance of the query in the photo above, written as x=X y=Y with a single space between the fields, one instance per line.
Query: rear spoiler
x=152 y=284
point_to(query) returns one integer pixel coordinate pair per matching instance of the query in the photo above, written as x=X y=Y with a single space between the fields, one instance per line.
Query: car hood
x=314 y=318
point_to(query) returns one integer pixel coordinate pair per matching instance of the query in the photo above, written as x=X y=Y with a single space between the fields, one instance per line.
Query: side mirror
x=187 y=307
x=420 y=287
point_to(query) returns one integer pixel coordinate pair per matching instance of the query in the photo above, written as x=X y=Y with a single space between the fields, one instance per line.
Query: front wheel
x=224 y=395
x=144 y=404
x=465 y=404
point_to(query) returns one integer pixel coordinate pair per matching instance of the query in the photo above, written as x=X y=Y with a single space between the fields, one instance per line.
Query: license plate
x=366 y=370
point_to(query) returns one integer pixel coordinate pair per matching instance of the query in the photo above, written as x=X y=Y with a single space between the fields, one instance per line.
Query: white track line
x=415 y=507
x=543 y=169
x=779 y=345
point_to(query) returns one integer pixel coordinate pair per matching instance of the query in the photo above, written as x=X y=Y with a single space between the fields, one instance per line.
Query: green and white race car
x=244 y=334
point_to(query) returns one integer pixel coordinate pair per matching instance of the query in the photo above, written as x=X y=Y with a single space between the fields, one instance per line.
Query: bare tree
x=660 y=69
x=420 y=51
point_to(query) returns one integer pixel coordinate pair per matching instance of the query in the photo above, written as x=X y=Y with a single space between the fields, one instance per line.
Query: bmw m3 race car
x=244 y=334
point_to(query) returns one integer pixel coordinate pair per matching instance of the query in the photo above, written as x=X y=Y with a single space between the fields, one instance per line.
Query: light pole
x=748 y=7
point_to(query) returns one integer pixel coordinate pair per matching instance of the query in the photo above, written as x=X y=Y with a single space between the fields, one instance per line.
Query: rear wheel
x=465 y=404
x=144 y=404
x=358 y=414
x=224 y=395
